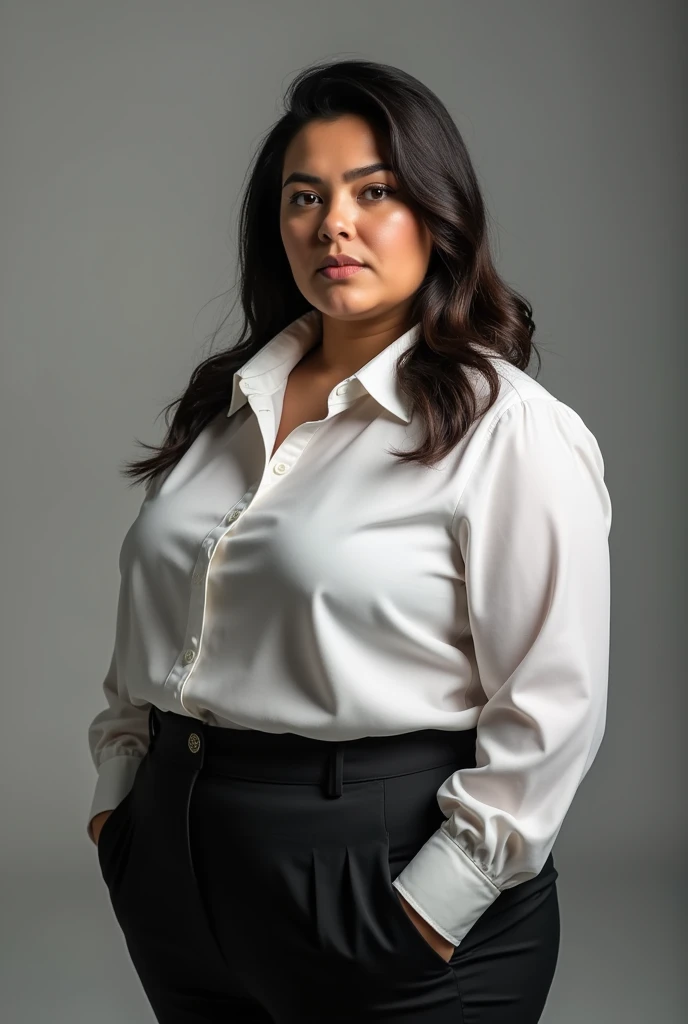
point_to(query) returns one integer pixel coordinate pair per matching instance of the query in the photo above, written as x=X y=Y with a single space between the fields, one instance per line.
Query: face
x=368 y=217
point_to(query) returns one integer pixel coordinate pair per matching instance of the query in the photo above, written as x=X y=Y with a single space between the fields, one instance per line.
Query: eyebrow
x=355 y=172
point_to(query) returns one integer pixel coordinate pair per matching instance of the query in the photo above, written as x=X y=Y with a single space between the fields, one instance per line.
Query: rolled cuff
x=115 y=779
x=446 y=888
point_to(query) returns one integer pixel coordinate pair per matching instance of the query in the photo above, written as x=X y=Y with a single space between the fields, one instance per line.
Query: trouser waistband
x=289 y=757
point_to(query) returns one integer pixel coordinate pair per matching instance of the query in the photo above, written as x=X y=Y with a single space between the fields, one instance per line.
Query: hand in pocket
x=442 y=946
x=97 y=823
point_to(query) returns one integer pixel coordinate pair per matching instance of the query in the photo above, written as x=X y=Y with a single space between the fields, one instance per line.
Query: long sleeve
x=532 y=525
x=117 y=736
x=118 y=739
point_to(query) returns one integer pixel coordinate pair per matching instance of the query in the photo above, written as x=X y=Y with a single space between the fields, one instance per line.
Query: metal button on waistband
x=194 y=743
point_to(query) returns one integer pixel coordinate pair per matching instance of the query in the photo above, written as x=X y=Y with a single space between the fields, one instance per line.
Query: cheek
x=294 y=244
x=399 y=240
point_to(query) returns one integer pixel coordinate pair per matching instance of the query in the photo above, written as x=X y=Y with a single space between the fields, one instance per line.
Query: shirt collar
x=269 y=368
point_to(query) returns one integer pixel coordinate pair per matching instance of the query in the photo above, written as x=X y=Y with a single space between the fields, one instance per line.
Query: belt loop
x=336 y=771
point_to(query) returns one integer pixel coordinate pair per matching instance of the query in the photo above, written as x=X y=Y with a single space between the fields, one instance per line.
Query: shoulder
x=514 y=384
x=523 y=400
x=527 y=445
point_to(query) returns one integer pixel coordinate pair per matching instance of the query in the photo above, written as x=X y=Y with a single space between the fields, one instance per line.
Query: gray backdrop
x=126 y=131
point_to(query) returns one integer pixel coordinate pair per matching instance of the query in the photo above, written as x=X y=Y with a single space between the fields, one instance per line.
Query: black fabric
x=246 y=893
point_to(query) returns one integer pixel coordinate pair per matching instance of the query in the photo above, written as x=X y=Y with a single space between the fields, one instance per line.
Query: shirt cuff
x=115 y=779
x=443 y=884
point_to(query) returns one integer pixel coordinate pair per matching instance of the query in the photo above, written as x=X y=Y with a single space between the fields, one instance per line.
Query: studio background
x=126 y=131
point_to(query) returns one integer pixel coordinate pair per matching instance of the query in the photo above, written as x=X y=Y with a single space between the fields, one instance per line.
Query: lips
x=340 y=261
x=340 y=273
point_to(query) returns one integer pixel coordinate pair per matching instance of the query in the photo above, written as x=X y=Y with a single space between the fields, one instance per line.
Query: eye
x=385 y=189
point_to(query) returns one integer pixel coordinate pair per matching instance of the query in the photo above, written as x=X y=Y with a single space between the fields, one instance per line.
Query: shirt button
x=194 y=743
x=189 y=655
x=198 y=576
x=280 y=468
x=233 y=515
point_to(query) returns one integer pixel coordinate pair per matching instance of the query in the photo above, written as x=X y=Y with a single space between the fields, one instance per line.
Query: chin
x=350 y=302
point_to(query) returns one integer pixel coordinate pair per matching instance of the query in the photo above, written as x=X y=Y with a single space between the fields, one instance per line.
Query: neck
x=347 y=345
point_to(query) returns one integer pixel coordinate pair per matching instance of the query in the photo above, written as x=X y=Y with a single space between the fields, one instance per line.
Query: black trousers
x=251 y=876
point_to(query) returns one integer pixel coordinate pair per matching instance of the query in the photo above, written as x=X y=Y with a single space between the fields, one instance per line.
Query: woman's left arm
x=532 y=525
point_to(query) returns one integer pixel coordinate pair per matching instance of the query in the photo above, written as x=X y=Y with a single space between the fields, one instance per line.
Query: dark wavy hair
x=462 y=299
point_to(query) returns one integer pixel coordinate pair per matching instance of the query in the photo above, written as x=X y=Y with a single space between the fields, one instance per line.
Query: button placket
x=196 y=619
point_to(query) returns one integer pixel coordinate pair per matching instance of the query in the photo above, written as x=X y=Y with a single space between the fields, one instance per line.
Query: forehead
x=335 y=145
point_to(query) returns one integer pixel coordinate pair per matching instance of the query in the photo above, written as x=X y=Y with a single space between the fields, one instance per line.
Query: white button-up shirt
x=335 y=592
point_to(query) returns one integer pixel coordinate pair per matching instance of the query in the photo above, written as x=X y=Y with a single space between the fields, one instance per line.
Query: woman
x=361 y=656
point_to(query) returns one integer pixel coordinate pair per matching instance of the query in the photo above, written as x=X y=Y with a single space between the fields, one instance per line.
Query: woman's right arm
x=118 y=740
x=118 y=735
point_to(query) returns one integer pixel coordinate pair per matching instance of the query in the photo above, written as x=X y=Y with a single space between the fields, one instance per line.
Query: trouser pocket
x=370 y=949
x=112 y=840
x=410 y=937
x=358 y=915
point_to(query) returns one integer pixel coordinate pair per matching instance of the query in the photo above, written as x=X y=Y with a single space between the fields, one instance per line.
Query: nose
x=337 y=220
